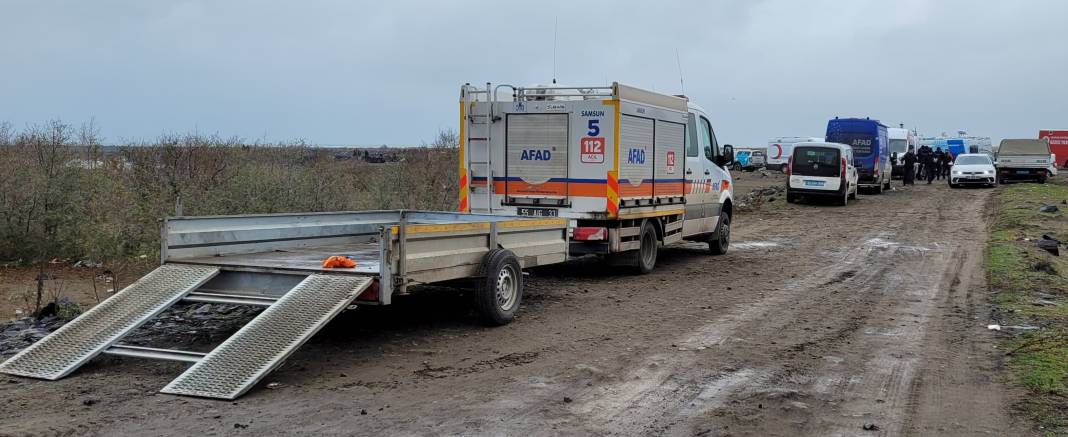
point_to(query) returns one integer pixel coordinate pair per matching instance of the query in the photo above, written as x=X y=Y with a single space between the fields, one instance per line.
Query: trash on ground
x=993 y=327
x=1049 y=208
x=1051 y=246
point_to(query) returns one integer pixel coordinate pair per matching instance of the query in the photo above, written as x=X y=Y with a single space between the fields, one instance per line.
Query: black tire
x=954 y=185
x=721 y=239
x=853 y=195
x=1042 y=180
x=791 y=198
x=498 y=287
x=844 y=200
x=645 y=257
x=887 y=185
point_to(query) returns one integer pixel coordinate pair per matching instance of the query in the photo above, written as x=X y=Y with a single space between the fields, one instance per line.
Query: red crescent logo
x=778 y=151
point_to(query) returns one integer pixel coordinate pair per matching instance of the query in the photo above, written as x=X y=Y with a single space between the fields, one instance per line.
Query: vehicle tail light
x=843 y=170
x=789 y=166
x=588 y=233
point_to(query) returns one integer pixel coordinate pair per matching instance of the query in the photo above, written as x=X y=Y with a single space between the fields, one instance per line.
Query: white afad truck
x=629 y=169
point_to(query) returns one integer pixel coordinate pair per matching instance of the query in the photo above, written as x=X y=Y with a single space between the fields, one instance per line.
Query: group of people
x=934 y=164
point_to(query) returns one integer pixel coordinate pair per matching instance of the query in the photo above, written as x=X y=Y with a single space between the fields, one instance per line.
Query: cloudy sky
x=388 y=72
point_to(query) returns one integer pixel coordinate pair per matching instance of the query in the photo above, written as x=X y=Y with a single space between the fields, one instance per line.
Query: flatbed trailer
x=275 y=261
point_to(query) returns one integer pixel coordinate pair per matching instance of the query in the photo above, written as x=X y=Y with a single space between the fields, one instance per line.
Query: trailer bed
x=306 y=259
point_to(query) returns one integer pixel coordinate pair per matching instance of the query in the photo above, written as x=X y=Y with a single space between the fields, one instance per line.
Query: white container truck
x=630 y=169
x=781 y=148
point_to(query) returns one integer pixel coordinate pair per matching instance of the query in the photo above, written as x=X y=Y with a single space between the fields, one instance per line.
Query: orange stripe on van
x=668 y=189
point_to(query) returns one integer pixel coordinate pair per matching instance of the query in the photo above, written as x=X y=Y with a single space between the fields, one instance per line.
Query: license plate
x=1023 y=172
x=809 y=183
x=537 y=212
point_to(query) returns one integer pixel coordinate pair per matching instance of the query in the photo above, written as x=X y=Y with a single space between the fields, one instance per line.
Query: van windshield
x=898 y=146
x=816 y=161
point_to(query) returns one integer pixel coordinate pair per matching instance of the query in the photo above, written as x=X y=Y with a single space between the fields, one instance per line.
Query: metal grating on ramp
x=256 y=349
x=70 y=346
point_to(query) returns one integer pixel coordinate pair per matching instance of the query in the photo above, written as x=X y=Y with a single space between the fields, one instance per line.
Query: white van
x=820 y=169
x=780 y=148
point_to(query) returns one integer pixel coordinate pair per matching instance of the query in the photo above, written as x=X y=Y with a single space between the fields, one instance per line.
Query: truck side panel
x=670 y=159
x=635 y=157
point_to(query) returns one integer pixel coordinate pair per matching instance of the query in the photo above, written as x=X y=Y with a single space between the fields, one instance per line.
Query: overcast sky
x=388 y=72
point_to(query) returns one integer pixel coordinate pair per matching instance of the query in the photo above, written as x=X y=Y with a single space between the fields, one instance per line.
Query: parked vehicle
x=758 y=160
x=869 y=141
x=631 y=169
x=900 y=141
x=780 y=149
x=749 y=159
x=741 y=159
x=821 y=170
x=972 y=169
x=1058 y=143
x=1023 y=159
x=279 y=262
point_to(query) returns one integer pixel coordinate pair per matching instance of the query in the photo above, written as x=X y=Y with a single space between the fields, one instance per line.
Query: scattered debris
x=1051 y=246
x=1048 y=208
x=993 y=327
x=759 y=196
x=273 y=385
x=567 y=400
x=181 y=323
x=870 y=427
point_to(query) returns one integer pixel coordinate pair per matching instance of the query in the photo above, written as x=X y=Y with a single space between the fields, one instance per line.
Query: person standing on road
x=939 y=159
x=921 y=156
x=927 y=162
x=910 y=167
x=946 y=164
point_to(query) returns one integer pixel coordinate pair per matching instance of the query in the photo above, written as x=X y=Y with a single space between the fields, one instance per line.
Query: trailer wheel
x=645 y=257
x=721 y=240
x=499 y=287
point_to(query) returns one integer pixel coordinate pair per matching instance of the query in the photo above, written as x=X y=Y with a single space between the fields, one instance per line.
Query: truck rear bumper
x=1022 y=173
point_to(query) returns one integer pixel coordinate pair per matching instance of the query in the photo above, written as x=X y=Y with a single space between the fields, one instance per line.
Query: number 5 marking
x=595 y=130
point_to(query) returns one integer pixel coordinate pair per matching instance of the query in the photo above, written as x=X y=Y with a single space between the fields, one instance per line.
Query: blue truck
x=871 y=149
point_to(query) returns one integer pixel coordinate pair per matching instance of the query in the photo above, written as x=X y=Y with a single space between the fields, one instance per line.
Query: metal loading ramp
x=66 y=349
x=259 y=347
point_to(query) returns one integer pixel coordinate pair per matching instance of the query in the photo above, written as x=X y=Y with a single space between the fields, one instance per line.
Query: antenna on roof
x=556 y=27
x=678 y=63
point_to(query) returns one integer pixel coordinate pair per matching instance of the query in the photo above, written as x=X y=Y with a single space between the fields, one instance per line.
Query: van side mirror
x=728 y=156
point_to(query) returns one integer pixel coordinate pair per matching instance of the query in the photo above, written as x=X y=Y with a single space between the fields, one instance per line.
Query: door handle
x=689 y=171
x=707 y=172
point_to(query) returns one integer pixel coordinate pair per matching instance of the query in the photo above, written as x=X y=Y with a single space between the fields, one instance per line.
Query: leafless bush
x=63 y=194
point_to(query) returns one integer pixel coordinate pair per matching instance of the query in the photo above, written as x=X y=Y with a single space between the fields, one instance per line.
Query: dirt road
x=820 y=320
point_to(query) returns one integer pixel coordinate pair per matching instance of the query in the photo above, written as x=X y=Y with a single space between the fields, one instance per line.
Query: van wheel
x=499 y=287
x=721 y=240
x=853 y=195
x=845 y=198
x=645 y=256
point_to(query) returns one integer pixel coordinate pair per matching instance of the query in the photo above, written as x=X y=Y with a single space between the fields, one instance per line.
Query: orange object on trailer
x=335 y=261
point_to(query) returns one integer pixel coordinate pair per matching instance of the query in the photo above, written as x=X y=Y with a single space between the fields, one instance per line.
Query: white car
x=819 y=169
x=972 y=169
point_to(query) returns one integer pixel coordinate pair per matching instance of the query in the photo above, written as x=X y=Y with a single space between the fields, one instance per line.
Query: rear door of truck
x=536 y=163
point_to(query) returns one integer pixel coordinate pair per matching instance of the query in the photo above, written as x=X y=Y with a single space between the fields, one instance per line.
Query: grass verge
x=1030 y=289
